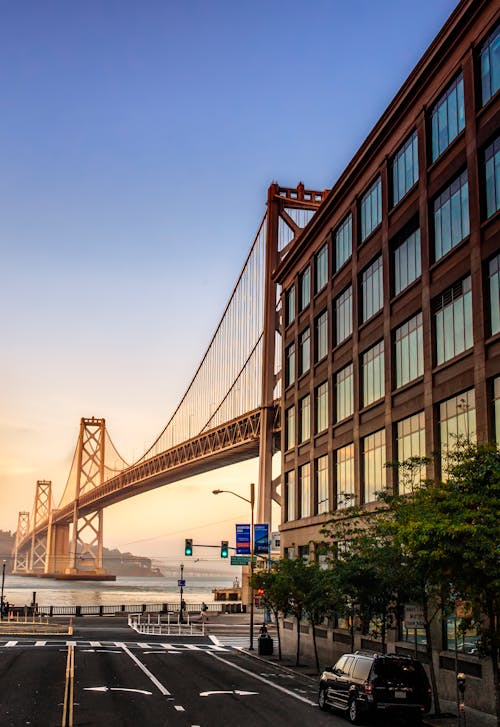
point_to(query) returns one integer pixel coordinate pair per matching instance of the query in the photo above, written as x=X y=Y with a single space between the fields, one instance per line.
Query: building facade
x=391 y=295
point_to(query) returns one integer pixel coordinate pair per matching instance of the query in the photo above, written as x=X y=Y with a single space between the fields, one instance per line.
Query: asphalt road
x=113 y=676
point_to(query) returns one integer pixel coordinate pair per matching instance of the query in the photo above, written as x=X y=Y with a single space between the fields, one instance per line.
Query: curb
x=288 y=669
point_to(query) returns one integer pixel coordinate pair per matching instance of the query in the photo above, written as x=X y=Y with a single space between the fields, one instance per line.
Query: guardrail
x=143 y=625
x=112 y=610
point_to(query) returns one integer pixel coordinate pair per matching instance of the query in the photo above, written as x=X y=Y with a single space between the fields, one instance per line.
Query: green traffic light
x=188 y=546
x=224 y=549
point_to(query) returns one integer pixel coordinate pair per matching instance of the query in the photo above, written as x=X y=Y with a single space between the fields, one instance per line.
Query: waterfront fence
x=112 y=610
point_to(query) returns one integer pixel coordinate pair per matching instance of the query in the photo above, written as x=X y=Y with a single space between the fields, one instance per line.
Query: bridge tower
x=41 y=513
x=21 y=555
x=86 y=545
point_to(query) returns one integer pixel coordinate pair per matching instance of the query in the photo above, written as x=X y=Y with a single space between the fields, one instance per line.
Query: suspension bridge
x=230 y=412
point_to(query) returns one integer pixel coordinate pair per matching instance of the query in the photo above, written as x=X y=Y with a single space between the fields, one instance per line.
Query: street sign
x=240 y=559
x=414 y=617
x=261 y=539
x=181 y=582
x=243 y=539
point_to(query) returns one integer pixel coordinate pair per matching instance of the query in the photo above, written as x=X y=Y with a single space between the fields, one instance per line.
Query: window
x=345 y=393
x=371 y=209
x=373 y=465
x=457 y=418
x=321 y=335
x=305 y=418
x=304 y=351
x=451 y=216
x=305 y=288
x=343 y=242
x=496 y=408
x=290 y=305
x=407 y=262
x=372 y=288
x=490 y=66
x=322 y=499
x=405 y=168
x=453 y=320
x=494 y=285
x=290 y=427
x=322 y=407
x=373 y=374
x=305 y=490
x=321 y=268
x=346 y=493
x=290 y=364
x=492 y=172
x=448 y=117
x=410 y=443
x=290 y=495
x=304 y=553
x=409 y=351
x=343 y=315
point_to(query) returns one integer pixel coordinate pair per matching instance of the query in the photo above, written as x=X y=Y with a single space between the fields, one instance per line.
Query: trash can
x=265 y=646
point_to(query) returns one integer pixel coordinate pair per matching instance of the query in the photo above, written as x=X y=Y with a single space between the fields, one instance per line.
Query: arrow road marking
x=230 y=691
x=115 y=689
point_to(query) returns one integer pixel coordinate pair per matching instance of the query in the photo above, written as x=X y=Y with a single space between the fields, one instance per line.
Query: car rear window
x=399 y=670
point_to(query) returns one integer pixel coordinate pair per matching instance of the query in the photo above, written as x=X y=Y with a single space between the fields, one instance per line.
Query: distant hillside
x=121 y=564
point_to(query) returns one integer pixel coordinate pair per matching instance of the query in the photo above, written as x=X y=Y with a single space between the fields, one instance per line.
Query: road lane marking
x=261 y=679
x=179 y=708
x=162 y=652
x=116 y=689
x=40 y=643
x=11 y=643
x=67 y=715
x=229 y=691
x=94 y=643
x=141 y=666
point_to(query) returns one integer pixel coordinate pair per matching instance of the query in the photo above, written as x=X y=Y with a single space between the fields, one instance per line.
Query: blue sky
x=137 y=143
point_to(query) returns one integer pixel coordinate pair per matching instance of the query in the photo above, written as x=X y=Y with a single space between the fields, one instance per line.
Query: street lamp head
x=217 y=492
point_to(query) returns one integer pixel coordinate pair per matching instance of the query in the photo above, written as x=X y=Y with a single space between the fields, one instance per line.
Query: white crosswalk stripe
x=104 y=646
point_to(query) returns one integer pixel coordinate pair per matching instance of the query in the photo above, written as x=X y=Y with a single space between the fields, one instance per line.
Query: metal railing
x=169 y=627
x=124 y=609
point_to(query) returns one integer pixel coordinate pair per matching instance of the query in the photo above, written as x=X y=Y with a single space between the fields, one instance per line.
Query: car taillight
x=367 y=688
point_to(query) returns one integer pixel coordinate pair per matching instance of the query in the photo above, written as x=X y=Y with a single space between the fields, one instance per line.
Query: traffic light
x=188 y=546
x=224 y=549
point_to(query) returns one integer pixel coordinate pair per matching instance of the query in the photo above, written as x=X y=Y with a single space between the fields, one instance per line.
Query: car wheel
x=322 y=699
x=353 y=712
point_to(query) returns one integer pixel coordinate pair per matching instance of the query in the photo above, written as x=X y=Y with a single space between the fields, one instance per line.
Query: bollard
x=70 y=629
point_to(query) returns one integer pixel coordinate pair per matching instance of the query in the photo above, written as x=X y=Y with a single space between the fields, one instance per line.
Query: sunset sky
x=137 y=143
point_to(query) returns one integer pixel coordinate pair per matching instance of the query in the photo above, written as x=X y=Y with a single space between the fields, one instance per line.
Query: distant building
x=391 y=312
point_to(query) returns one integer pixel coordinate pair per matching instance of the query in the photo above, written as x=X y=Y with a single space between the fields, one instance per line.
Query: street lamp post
x=251 y=502
x=3 y=581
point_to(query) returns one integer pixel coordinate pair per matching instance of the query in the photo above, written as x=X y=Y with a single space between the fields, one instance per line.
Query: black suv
x=366 y=683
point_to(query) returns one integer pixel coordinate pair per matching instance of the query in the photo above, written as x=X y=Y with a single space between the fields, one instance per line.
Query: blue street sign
x=261 y=539
x=181 y=582
x=243 y=539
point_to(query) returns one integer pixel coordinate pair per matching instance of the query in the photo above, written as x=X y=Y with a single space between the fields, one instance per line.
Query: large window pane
x=405 y=168
x=290 y=364
x=305 y=418
x=322 y=499
x=290 y=305
x=451 y=216
x=407 y=262
x=322 y=407
x=304 y=351
x=290 y=427
x=372 y=286
x=409 y=351
x=343 y=315
x=373 y=374
x=492 y=174
x=322 y=268
x=448 y=117
x=343 y=242
x=371 y=209
x=305 y=288
x=344 y=470
x=490 y=66
x=290 y=495
x=345 y=393
x=321 y=335
x=410 y=443
x=494 y=287
x=373 y=465
x=457 y=419
x=453 y=321
x=305 y=490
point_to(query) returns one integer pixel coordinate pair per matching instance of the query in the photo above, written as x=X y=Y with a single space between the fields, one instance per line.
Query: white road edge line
x=141 y=666
x=261 y=679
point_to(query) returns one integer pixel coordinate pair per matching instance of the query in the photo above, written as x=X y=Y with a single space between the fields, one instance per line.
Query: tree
x=321 y=599
x=276 y=594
